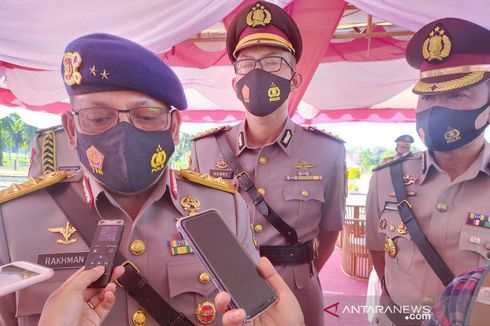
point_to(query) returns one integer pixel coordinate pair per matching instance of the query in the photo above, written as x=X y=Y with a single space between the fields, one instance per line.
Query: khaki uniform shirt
x=50 y=152
x=443 y=209
x=24 y=234
x=307 y=206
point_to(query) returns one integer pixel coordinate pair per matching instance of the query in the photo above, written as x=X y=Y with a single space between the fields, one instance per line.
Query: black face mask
x=445 y=129
x=126 y=159
x=262 y=92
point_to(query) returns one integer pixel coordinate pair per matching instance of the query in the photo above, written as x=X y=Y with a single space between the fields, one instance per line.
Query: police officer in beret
x=428 y=216
x=292 y=177
x=124 y=125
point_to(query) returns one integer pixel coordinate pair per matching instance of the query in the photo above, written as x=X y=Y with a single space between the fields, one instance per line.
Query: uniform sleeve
x=244 y=231
x=374 y=239
x=194 y=166
x=7 y=302
x=333 y=208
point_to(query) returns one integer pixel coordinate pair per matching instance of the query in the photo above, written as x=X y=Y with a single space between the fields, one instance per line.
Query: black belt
x=84 y=220
x=288 y=254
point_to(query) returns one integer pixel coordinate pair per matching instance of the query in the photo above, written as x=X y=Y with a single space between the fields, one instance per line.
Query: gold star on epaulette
x=212 y=131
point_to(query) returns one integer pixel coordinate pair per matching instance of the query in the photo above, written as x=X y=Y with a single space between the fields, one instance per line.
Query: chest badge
x=221 y=164
x=390 y=248
x=66 y=231
x=408 y=180
x=190 y=204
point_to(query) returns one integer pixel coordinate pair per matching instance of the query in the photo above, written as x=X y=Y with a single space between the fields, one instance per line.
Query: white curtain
x=414 y=14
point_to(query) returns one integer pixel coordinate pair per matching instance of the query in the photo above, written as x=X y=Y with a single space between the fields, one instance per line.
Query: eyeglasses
x=96 y=120
x=270 y=64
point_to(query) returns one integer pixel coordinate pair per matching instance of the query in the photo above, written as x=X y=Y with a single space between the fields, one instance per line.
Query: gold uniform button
x=203 y=278
x=258 y=228
x=137 y=247
x=487 y=246
x=262 y=160
x=139 y=318
x=305 y=193
x=427 y=301
x=261 y=191
x=442 y=207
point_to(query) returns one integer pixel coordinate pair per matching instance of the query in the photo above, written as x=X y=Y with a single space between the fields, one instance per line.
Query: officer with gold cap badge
x=124 y=125
x=428 y=216
x=403 y=144
x=291 y=177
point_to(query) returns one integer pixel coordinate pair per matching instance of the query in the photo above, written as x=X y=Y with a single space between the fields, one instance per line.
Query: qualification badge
x=390 y=248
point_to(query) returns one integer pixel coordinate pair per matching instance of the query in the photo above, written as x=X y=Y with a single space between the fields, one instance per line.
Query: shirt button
x=487 y=246
x=427 y=301
x=137 y=247
x=262 y=160
x=258 y=228
x=442 y=207
x=203 y=278
x=305 y=193
x=139 y=318
x=261 y=191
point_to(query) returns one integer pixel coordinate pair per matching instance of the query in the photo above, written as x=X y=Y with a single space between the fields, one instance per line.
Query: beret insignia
x=259 y=16
x=437 y=46
x=71 y=62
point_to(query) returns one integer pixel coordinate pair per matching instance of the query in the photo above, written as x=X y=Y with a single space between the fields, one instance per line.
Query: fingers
x=109 y=298
x=85 y=278
x=234 y=317
x=117 y=272
x=269 y=273
x=222 y=300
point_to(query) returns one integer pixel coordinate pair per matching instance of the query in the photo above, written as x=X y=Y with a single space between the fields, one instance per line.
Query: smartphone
x=231 y=268
x=20 y=274
x=103 y=249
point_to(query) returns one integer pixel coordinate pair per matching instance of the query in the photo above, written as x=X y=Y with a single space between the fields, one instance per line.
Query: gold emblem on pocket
x=390 y=248
x=401 y=229
x=66 y=231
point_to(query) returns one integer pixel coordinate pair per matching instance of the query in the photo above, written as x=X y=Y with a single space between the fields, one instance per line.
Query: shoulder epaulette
x=32 y=184
x=393 y=160
x=323 y=132
x=212 y=131
x=207 y=180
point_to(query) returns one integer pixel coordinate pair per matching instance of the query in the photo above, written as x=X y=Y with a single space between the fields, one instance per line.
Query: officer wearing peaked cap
x=124 y=124
x=402 y=148
x=428 y=217
x=292 y=178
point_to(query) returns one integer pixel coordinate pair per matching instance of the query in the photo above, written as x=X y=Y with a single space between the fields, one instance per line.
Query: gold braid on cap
x=470 y=79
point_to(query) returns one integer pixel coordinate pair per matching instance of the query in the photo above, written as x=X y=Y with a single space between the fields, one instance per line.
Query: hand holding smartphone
x=103 y=249
x=20 y=274
x=231 y=268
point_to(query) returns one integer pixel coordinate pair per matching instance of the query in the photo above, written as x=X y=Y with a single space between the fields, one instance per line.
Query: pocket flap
x=183 y=277
x=475 y=238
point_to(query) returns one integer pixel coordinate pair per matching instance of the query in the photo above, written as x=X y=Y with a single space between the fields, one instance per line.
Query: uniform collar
x=284 y=139
x=482 y=163
x=93 y=188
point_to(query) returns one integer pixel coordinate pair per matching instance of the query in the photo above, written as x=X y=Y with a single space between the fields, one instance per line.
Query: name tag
x=225 y=174
x=63 y=260
x=69 y=168
x=484 y=295
x=390 y=206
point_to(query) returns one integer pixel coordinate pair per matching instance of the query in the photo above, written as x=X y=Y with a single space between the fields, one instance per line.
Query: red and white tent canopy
x=345 y=79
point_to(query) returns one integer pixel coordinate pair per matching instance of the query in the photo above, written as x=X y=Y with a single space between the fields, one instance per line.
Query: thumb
x=267 y=270
x=82 y=281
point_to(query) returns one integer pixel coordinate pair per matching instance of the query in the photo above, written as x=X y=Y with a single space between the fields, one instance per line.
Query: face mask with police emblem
x=262 y=92
x=126 y=159
x=443 y=129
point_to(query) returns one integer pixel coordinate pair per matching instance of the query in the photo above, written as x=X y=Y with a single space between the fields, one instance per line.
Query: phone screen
x=10 y=274
x=228 y=262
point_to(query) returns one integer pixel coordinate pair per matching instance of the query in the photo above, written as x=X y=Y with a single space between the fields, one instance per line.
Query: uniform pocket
x=476 y=239
x=391 y=225
x=306 y=198
x=31 y=299
x=183 y=277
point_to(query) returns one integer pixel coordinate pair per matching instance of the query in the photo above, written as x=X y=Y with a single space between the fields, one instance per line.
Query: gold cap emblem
x=452 y=135
x=259 y=16
x=158 y=159
x=437 y=46
x=71 y=62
